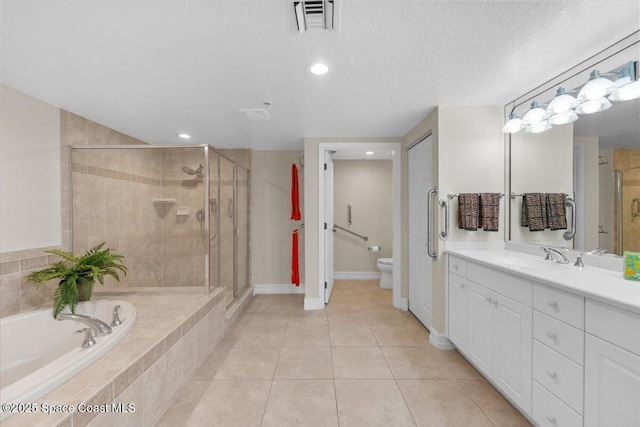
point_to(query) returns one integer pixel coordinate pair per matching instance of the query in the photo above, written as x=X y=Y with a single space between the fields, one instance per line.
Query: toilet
x=385 y=265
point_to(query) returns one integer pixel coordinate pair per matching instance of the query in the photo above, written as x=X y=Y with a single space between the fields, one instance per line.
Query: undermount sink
x=532 y=263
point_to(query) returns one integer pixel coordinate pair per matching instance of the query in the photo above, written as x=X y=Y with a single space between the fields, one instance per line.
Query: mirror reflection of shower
x=197 y=172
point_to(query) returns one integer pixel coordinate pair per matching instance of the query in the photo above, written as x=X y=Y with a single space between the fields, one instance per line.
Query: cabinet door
x=458 y=312
x=513 y=337
x=612 y=385
x=480 y=306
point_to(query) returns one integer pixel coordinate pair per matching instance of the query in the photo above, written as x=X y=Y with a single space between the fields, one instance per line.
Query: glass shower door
x=226 y=242
x=242 y=230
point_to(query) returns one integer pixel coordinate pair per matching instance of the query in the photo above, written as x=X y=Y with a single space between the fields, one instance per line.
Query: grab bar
x=349 y=214
x=568 y=235
x=230 y=208
x=635 y=201
x=444 y=234
x=365 y=238
x=432 y=253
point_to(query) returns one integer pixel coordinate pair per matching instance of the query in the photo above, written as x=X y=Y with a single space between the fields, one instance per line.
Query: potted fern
x=77 y=275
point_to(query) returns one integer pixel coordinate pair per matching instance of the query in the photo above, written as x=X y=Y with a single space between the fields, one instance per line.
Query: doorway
x=325 y=235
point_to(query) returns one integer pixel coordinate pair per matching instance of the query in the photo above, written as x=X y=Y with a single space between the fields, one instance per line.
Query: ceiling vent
x=316 y=15
x=254 y=113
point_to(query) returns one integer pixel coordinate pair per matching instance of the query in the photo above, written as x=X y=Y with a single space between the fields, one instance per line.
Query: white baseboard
x=404 y=304
x=440 y=340
x=356 y=275
x=313 y=304
x=277 y=289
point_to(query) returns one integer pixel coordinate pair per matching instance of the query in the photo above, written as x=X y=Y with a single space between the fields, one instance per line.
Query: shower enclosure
x=179 y=215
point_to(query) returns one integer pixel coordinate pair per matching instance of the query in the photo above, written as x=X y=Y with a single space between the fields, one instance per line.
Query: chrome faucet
x=116 y=319
x=555 y=255
x=98 y=327
x=88 y=337
x=597 y=251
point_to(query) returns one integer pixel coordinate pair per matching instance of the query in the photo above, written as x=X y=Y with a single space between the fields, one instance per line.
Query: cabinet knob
x=552 y=335
x=455 y=266
x=551 y=419
x=552 y=374
x=552 y=303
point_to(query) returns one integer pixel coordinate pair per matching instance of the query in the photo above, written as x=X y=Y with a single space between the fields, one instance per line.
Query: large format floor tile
x=358 y=362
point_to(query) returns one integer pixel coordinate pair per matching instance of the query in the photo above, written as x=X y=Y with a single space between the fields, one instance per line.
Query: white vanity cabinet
x=558 y=356
x=564 y=357
x=497 y=331
x=612 y=366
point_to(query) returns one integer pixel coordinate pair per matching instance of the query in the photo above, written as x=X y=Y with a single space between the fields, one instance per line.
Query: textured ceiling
x=154 y=68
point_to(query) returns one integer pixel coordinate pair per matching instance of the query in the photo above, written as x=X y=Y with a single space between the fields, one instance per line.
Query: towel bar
x=454 y=195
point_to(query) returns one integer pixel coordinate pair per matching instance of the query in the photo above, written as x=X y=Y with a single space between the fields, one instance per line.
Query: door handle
x=444 y=234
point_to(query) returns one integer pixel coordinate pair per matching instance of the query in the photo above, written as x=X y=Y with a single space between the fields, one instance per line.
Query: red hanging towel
x=295 y=274
x=295 y=198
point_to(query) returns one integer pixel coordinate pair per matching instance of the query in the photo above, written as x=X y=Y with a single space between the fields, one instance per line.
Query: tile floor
x=358 y=362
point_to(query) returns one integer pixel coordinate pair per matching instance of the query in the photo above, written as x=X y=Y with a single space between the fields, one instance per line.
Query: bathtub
x=39 y=353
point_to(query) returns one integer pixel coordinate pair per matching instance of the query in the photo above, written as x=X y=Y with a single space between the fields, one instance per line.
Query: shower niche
x=179 y=215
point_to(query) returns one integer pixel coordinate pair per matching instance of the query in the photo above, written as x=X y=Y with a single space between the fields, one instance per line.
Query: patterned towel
x=556 y=213
x=468 y=211
x=534 y=211
x=490 y=211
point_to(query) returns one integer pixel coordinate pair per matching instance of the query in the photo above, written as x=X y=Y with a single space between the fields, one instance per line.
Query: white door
x=328 y=225
x=611 y=385
x=420 y=263
x=512 y=352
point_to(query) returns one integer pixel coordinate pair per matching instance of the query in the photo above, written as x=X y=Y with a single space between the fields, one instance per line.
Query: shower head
x=197 y=172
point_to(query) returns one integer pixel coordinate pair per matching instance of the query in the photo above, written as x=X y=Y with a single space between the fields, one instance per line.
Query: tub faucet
x=98 y=327
x=88 y=337
x=116 y=319
x=555 y=255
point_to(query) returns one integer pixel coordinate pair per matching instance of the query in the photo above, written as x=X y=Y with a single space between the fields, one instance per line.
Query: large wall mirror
x=585 y=172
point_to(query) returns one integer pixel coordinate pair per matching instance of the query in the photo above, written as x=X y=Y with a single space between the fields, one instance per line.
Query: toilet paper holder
x=375 y=248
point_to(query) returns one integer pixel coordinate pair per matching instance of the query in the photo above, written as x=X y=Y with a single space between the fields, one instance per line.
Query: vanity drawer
x=559 y=336
x=618 y=326
x=550 y=411
x=458 y=266
x=513 y=287
x=559 y=304
x=558 y=374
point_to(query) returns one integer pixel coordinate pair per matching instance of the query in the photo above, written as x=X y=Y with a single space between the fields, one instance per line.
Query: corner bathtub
x=38 y=353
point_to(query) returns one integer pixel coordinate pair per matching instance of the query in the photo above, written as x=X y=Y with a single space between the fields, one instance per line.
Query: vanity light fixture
x=627 y=83
x=593 y=106
x=514 y=125
x=369 y=153
x=538 y=127
x=568 y=116
x=183 y=135
x=561 y=103
x=535 y=115
x=596 y=88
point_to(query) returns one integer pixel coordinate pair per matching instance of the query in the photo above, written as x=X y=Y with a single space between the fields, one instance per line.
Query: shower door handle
x=432 y=253
x=635 y=202
x=230 y=208
x=349 y=214
x=568 y=235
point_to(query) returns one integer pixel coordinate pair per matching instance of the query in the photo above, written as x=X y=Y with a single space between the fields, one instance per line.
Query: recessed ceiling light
x=319 y=69
x=183 y=135
x=369 y=153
